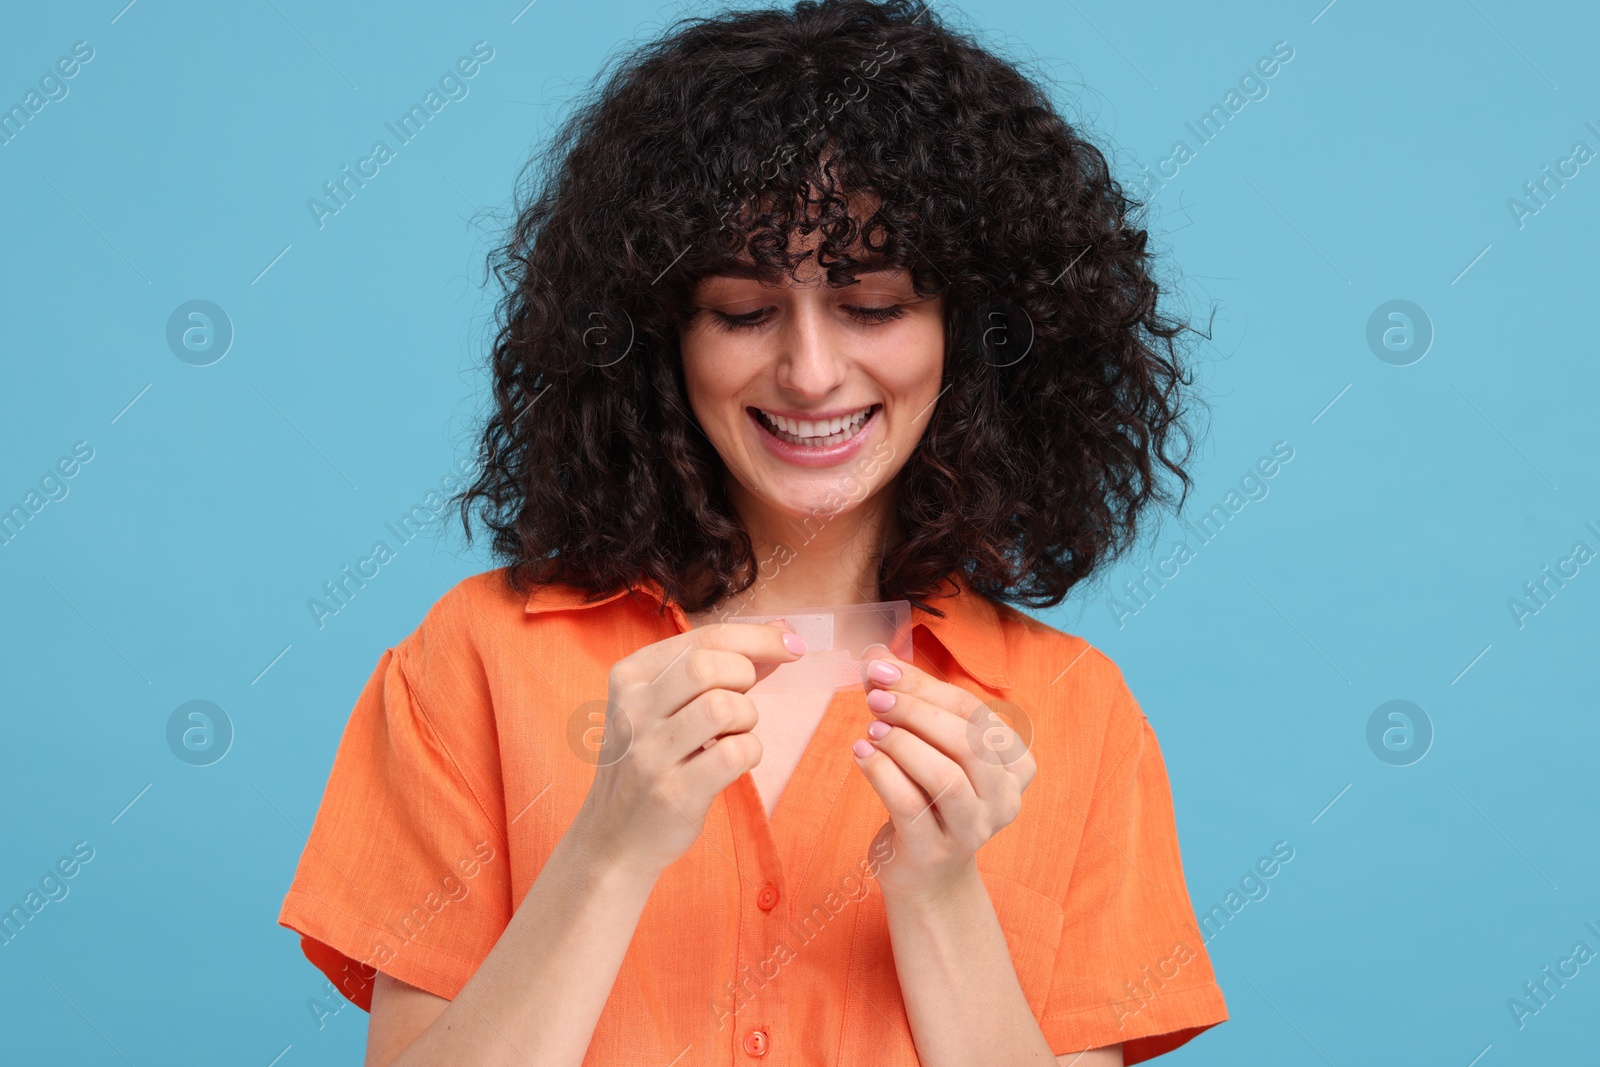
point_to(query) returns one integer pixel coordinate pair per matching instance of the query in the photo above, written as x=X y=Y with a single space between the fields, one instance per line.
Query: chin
x=812 y=501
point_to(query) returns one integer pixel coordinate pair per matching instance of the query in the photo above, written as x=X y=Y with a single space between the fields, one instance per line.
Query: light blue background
x=1379 y=567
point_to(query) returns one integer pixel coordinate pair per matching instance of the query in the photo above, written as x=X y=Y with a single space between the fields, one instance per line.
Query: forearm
x=958 y=982
x=537 y=996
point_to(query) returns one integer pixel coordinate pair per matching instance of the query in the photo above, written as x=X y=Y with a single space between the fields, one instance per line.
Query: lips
x=818 y=452
x=814 y=432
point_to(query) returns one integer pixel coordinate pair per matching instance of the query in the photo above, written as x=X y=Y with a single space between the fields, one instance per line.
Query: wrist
x=953 y=891
x=608 y=863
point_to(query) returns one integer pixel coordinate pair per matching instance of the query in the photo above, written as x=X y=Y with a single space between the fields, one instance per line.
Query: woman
x=818 y=308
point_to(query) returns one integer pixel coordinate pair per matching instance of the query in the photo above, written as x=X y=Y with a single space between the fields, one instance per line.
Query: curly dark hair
x=722 y=138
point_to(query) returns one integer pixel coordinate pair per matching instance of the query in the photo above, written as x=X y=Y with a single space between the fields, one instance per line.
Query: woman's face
x=851 y=373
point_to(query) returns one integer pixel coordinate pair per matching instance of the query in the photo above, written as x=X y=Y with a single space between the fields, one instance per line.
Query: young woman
x=815 y=308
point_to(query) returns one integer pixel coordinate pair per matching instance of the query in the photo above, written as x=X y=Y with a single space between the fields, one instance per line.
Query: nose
x=811 y=361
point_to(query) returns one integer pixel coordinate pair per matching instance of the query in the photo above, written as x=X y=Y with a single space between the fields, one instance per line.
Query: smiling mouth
x=815 y=435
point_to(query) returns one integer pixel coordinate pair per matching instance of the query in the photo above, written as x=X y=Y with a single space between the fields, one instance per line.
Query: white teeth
x=822 y=433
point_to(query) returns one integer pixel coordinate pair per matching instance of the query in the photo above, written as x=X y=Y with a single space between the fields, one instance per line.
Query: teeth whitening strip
x=836 y=641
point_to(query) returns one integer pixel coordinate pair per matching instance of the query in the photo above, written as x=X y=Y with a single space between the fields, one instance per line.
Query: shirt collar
x=970 y=629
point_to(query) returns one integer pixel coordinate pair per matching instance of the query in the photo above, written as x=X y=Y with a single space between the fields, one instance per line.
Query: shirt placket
x=759 y=997
x=760 y=1015
x=769 y=887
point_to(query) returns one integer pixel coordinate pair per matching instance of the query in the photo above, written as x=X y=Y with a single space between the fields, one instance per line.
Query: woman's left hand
x=948 y=769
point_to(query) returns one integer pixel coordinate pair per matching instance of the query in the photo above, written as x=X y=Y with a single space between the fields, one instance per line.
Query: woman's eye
x=878 y=314
x=752 y=319
x=738 y=322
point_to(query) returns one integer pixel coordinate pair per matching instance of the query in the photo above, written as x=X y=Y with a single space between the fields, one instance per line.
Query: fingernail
x=862 y=749
x=876 y=730
x=880 y=700
x=795 y=643
x=880 y=671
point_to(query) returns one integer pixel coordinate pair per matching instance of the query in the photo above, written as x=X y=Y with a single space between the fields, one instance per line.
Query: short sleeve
x=405 y=871
x=1131 y=966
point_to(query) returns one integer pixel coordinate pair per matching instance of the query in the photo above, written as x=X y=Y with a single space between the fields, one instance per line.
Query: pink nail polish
x=862 y=749
x=876 y=730
x=795 y=643
x=880 y=700
x=880 y=671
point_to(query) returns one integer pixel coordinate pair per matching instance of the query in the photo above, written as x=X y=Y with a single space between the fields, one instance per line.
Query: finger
x=902 y=798
x=948 y=790
x=967 y=742
x=711 y=716
x=885 y=670
x=723 y=763
x=993 y=739
x=717 y=656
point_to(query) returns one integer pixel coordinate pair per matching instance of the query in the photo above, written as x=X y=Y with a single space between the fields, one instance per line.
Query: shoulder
x=484 y=609
x=483 y=637
x=1040 y=657
x=482 y=632
x=478 y=599
x=1071 y=692
x=471 y=617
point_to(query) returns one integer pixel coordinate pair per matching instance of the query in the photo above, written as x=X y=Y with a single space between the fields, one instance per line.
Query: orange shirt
x=472 y=746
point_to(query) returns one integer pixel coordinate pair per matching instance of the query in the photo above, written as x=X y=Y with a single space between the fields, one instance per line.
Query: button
x=767 y=899
x=756 y=1043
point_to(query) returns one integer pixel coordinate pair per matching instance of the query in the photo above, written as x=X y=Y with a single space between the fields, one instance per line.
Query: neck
x=816 y=561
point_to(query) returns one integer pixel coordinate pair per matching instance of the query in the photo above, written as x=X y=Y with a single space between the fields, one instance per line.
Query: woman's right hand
x=677 y=733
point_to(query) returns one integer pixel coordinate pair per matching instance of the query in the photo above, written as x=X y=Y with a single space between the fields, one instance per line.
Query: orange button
x=767 y=899
x=755 y=1042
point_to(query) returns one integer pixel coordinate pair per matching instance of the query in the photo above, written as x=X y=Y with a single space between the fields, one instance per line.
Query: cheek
x=918 y=363
x=715 y=376
x=700 y=378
